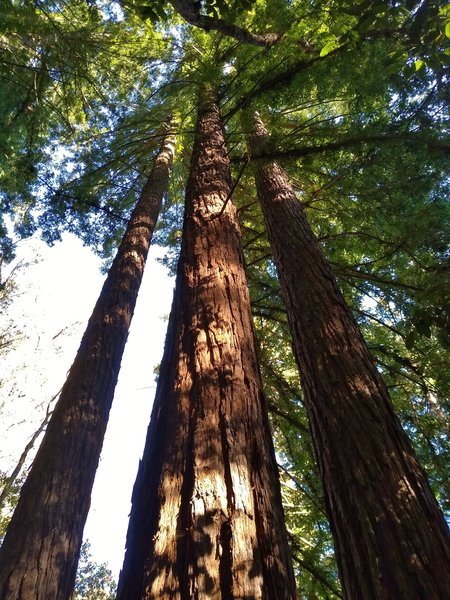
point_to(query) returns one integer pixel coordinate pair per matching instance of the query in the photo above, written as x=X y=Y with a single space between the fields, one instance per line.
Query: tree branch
x=190 y=11
x=9 y=482
x=295 y=549
x=276 y=153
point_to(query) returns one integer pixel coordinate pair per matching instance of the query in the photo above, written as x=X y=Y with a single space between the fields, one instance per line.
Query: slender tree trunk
x=12 y=479
x=39 y=555
x=207 y=520
x=391 y=539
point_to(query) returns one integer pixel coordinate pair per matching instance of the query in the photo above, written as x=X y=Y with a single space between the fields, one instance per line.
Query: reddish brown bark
x=391 y=538
x=207 y=520
x=39 y=555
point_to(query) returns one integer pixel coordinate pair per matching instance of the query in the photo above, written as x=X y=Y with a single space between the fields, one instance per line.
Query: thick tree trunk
x=207 y=520
x=391 y=539
x=39 y=555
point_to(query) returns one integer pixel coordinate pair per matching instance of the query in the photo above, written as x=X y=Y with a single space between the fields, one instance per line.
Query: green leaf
x=329 y=47
x=447 y=29
x=357 y=9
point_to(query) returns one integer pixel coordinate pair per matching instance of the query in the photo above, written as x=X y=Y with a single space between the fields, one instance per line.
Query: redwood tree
x=38 y=557
x=391 y=539
x=207 y=520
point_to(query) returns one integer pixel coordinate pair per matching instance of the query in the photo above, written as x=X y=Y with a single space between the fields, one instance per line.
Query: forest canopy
x=355 y=99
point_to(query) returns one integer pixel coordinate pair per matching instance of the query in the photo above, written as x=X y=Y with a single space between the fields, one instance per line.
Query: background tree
x=93 y=581
x=346 y=400
x=56 y=495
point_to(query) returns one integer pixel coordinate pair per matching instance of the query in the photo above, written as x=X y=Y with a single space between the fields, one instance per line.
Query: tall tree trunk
x=39 y=555
x=207 y=520
x=390 y=536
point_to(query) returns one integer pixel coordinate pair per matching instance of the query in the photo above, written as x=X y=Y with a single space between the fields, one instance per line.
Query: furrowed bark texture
x=207 y=520
x=39 y=555
x=391 y=539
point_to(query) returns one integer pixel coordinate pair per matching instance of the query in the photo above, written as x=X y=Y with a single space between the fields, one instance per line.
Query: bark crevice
x=209 y=415
x=391 y=539
x=39 y=555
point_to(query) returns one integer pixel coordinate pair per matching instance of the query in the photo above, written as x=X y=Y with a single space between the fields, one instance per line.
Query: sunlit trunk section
x=390 y=537
x=207 y=520
x=39 y=555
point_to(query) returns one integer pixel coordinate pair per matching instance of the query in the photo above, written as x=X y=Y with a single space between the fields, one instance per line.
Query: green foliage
x=9 y=332
x=94 y=581
x=10 y=498
x=156 y=10
x=71 y=79
x=355 y=97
